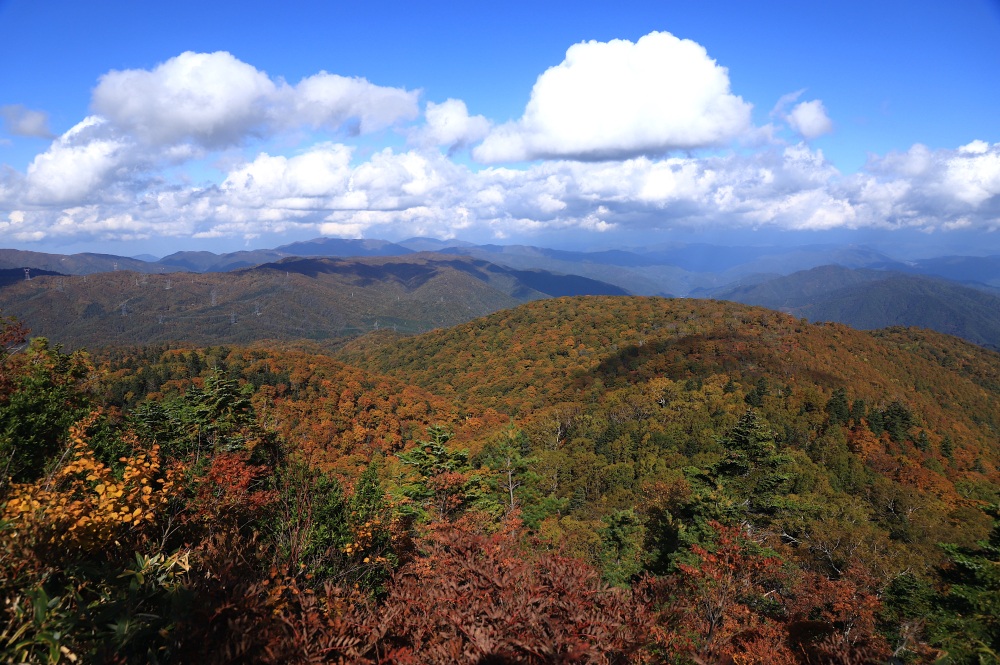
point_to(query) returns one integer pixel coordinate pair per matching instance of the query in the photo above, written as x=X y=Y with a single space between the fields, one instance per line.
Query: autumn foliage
x=472 y=599
x=579 y=481
x=82 y=506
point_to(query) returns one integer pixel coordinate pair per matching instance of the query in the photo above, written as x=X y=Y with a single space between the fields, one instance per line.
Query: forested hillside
x=323 y=300
x=599 y=479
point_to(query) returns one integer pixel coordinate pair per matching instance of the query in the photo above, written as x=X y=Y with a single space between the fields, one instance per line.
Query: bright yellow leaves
x=82 y=505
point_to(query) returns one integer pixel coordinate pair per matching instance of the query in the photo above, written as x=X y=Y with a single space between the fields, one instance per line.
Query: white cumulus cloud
x=216 y=100
x=449 y=125
x=329 y=100
x=973 y=173
x=619 y=99
x=210 y=98
x=603 y=130
x=810 y=120
x=944 y=183
x=394 y=194
x=82 y=160
x=182 y=110
x=271 y=180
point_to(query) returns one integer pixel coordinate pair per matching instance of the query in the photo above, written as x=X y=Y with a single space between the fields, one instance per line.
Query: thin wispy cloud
x=21 y=121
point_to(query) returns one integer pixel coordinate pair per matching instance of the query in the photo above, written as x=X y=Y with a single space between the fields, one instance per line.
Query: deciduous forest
x=575 y=480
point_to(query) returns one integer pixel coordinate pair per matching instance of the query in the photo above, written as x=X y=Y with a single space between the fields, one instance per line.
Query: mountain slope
x=678 y=269
x=624 y=404
x=77 y=264
x=634 y=379
x=558 y=347
x=10 y=276
x=344 y=247
x=327 y=247
x=871 y=299
x=972 y=269
x=211 y=262
x=298 y=298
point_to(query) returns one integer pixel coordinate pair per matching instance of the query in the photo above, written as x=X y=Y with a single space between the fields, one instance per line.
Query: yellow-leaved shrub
x=82 y=505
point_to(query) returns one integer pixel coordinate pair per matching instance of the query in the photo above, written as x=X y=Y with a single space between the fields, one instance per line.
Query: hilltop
x=553 y=351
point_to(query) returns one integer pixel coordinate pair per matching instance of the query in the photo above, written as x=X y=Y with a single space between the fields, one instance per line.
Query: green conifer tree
x=750 y=472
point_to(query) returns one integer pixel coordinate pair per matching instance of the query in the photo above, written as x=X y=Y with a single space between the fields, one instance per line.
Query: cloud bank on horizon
x=621 y=136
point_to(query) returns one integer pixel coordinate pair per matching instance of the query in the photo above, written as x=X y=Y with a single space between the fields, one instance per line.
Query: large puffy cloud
x=216 y=100
x=973 y=175
x=321 y=187
x=211 y=98
x=943 y=188
x=17 y=227
x=619 y=99
x=307 y=180
x=84 y=159
x=183 y=109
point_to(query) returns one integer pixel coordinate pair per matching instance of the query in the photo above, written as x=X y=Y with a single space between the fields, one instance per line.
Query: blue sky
x=133 y=127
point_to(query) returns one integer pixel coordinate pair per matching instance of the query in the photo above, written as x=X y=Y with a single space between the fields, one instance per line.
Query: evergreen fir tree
x=750 y=472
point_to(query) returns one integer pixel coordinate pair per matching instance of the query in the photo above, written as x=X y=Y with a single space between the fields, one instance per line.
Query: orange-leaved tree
x=722 y=602
x=473 y=599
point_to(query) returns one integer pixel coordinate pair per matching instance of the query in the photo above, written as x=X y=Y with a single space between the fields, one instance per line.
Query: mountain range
x=850 y=284
x=672 y=269
x=322 y=299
